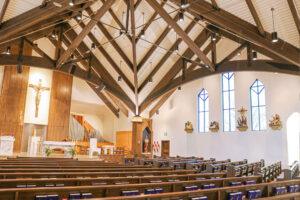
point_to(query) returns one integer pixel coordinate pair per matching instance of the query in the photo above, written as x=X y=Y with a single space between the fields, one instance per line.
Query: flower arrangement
x=48 y=151
x=72 y=151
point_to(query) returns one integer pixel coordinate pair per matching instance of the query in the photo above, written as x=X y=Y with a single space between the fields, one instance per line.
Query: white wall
x=282 y=97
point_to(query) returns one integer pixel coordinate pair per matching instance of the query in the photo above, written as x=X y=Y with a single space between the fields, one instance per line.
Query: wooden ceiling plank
x=132 y=22
x=295 y=14
x=154 y=46
x=232 y=54
x=3 y=10
x=255 y=17
x=84 y=32
x=161 y=102
x=181 y=33
x=245 y=30
x=122 y=108
x=149 y=22
x=165 y=57
x=108 y=57
x=199 y=41
x=105 y=100
x=112 y=41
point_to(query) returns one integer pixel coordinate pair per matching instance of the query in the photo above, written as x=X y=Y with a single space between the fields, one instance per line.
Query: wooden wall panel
x=12 y=100
x=124 y=139
x=60 y=105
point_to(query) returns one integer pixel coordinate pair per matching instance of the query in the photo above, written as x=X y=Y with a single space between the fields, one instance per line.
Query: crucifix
x=38 y=94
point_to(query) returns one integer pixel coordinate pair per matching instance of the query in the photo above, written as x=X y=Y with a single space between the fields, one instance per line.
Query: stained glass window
x=228 y=101
x=203 y=111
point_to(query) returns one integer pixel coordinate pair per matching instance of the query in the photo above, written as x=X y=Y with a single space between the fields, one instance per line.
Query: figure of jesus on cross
x=38 y=94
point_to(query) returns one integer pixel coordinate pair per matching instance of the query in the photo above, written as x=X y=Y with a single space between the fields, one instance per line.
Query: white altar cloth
x=108 y=147
x=59 y=145
x=7 y=145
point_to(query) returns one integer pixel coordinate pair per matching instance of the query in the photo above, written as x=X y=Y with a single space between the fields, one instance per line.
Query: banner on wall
x=38 y=96
x=156 y=147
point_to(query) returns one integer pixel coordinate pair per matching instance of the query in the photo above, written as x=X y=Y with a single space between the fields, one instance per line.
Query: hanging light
x=150 y=80
x=274 y=33
x=184 y=4
x=119 y=79
x=176 y=49
x=71 y=3
x=79 y=15
x=239 y=53
x=53 y=34
x=93 y=46
x=213 y=37
x=142 y=33
x=157 y=112
x=254 y=54
x=179 y=88
x=181 y=16
x=8 y=50
x=72 y=57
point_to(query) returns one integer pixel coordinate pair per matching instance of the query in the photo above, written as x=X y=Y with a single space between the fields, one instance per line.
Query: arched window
x=228 y=101
x=203 y=114
x=258 y=106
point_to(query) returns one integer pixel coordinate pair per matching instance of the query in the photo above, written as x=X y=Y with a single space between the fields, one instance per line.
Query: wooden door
x=165 y=148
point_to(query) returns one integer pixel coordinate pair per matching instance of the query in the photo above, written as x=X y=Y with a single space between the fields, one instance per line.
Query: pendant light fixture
x=181 y=16
x=8 y=50
x=79 y=15
x=150 y=79
x=213 y=37
x=71 y=3
x=119 y=77
x=53 y=34
x=274 y=33
x=254 y=55
x=176 y=47
x=143 y=31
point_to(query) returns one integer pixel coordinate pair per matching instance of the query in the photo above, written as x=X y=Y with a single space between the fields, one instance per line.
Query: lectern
x=33 y=143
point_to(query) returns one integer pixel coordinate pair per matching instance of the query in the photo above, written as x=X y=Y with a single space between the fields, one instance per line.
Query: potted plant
x=72 y=151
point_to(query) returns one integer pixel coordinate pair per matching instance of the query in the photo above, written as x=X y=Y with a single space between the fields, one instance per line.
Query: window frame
x=204 y=111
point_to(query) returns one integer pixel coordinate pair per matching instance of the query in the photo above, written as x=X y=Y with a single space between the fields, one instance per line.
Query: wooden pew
x=12 y=183
x=93 y=174
x=210 y=168
x=246 y=169
x=218 y=193
x=116 y=190
x=292 y=172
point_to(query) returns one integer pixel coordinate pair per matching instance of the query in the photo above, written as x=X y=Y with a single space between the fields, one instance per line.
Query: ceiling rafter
x=181 y=33
x=148 y=23
x=295 y=14
x=3 y=10
x=122 y=108
x=214 y=4
x=105 y=100
x=245 y=30
x=84 y=32
x=110 y=83
x=255 y=17
x=112 y=41
x=233 y=54
x=155 y=45
x=108 y=57
x=199 y=41
x=166 y=56
x=132 y=22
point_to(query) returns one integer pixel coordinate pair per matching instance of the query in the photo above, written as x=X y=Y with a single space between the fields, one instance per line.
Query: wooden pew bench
x=92 y=174
x=13 y=183
x=225 y=193
x=118 y=190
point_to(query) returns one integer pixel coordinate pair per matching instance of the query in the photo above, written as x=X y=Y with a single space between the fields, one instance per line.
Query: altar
x=66 y=146
x=6 y=145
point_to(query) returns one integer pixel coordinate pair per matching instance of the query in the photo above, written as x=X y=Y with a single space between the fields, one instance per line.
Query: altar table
x=58 y=145
x=6 y=145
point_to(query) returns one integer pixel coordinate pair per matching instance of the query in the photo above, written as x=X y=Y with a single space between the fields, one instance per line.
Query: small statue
x=189 y=127
x=242 y=120
x=146 y=142
x=275 y=123
x=214 y=126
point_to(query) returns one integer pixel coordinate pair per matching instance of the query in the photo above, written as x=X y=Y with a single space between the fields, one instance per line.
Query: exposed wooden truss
x=160 y=103
x=255 y=17
x=3 y=10
x=295 y=14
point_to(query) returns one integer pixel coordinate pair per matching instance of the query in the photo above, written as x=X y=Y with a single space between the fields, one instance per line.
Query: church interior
x=149 y=99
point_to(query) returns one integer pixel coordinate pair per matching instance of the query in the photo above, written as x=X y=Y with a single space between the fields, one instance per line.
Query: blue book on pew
x=249 y=182
x=49 y=185
x=236 y=184
x=159 y=181
x=198 y=179
x=251 y=194
x=150 y=191
x=75 y=196
x=60 y=185
x=86 y=195
x=199 y=198
x=257 y=193
x=205 y=187
x=94 y=184
x=121 y=183
x=21 y=186
x=159 y=190
x=211 y=186
x=52 y=197
x=31 y=186
x=41 y=197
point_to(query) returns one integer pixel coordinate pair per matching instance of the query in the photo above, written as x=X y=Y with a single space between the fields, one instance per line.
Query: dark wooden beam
x=112 y=41
x=240 y=65
x=213 y=52
x=132 y=22
x=105 y=100
x=245 y=30
x=181 y=33
x=3 y=10
x=161 y=102
x=84 y=32
x=109 y=81
x=122 y=108
x=154 y=46
x=137 y=3
x=200 y=40
x=107 y=57
x=255 y=17
x=149 y=22
x=165 y=57
x=295 y=14
x=249 y=54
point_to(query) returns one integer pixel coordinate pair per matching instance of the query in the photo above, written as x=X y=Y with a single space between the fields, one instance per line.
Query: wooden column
x=137 y=137
x=12 y=100
x=60 y=105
